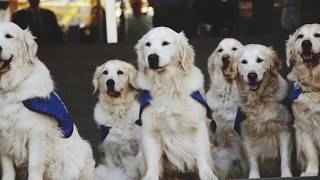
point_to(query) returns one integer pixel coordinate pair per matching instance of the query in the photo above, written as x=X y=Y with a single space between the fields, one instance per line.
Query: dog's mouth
x=4 y=64
x=253 y=86
x=310 y=57
x=113 y=93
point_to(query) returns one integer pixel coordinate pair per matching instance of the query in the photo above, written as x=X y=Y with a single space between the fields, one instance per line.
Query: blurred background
x=73 y=35
x=84 y=21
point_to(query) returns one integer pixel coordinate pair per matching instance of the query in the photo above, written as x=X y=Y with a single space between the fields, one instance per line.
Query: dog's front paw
x=150 y=177
x=286 y=173
x=303 y=174
x=254 y=175
x=208 y=176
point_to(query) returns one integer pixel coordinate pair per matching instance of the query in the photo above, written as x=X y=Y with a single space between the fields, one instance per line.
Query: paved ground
x=72 y=68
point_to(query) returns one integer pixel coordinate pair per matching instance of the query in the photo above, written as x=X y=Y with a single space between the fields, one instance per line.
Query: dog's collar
x=54 y=107
x=196 y=95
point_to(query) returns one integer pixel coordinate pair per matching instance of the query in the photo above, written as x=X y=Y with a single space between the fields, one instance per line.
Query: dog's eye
x=234 y=49
x=220 y=50
x=120 y=72
x=148 y=44
x=300 y=36
x=244 y=61
x=164 y=43
x=259 y=60
x=8 y=36
x=317 y=35
x=105 y=72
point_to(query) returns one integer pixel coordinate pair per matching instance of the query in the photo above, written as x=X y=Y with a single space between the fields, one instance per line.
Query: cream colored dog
x=174 y=132
x=303 y=55
x=223 y=100
x=117 y=110
x=29 y=140
x=265 y=131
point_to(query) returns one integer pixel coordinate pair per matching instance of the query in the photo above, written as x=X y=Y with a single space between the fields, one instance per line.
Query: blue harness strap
x=54 y=107
x=144 y=102
x=294 y=94
x=196 y=95
x=104 y=132
x=240 y=116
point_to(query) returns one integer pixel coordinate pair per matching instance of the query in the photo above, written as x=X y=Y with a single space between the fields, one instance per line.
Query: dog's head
x=162 y=48
x=255 y=62
x=114 y=78
x=17 y=53
x=303 y=46
x=223 y=58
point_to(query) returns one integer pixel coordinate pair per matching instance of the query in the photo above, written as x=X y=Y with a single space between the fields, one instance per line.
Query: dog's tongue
x=307 y=56
x=1 y=63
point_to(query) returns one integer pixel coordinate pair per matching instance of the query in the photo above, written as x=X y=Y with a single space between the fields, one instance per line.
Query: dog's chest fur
x=17 y=125
x=223 y=101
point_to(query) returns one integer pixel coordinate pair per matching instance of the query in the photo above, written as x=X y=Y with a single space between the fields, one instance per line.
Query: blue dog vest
x=241 y=116
x=196 y=95
x=54 y=107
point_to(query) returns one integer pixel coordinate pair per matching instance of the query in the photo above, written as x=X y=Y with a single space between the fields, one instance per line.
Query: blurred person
x=262 y=15
x=225 y=16
x=290 y=17
x=138 y=23
x=41 y=22
x=97 y=26
x=175 y=14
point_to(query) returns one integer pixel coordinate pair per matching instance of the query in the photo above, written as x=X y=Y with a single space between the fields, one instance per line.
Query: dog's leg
x=204 y=156
x=285 y=153
x=305 y=143
x=36 y=162
x=253 y=161
x=8 y=171
x=152 y=153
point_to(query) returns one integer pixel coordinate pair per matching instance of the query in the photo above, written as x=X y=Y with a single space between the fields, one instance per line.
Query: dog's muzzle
x=225 y=61
x=308 y=55
x=153 y=60
x=253 y=81
x=111 y=90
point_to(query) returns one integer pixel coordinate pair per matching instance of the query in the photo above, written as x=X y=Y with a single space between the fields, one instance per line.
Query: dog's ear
x=30 y=45
x=211 y=63
x=95 y=79
x=290 y=52
x=139 y=50
x=275 y=61
x=132 y=72
x=186 y=52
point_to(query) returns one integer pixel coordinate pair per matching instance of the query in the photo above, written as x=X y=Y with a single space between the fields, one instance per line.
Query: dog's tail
x=103 y=172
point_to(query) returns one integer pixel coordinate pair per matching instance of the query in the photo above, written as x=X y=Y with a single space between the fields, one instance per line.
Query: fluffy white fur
x=306 y=73
x=29 y=140
x=266 y=129
x=222 y=98
x=118 y=108
x=174 y=133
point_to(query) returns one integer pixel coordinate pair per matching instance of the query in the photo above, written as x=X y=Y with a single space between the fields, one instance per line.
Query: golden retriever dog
x=303 y=55
x=115 y=113
x=174 y=132
x=29 y=140
x=222 y=98
x=266 y=129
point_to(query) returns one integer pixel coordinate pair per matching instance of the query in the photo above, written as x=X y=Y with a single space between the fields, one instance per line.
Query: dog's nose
x=252 y=77
x=110 y=84
x=153 y=60
x=306 y=46
x=225 y=61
